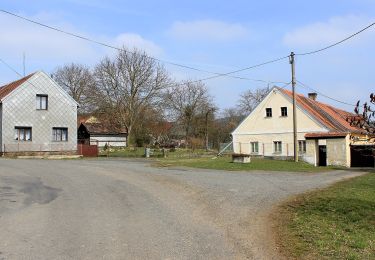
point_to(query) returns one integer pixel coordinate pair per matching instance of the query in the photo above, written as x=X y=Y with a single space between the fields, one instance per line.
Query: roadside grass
x=334 y=223
x=139 y=152
x=225 y=163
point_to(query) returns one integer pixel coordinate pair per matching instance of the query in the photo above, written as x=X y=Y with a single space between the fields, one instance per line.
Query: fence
x=279 y=149
x=88 y=150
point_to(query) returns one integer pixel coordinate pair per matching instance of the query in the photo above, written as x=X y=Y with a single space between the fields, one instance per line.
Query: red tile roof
x=332 y=118
x=6 y=89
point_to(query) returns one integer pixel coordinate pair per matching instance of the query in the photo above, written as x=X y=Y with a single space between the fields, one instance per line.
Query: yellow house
x=324 y=135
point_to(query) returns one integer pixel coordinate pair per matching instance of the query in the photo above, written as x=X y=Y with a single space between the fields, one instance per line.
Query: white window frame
x=254 y=146
x=23 y=133
x=286 y=111
x=303 y=146
x=41 y=102
x=269 y=112
x=277 y=146
x=59 y=134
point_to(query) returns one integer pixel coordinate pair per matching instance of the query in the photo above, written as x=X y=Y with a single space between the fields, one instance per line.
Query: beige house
x=324 y=136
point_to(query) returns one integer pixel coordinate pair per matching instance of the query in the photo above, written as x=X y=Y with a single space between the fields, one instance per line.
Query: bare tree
x=189 y=104
x=251 y=98
x=79 y=82
x=127 y=85
x=365 y=116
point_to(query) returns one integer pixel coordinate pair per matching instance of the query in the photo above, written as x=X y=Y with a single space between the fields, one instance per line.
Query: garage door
x=362 y=155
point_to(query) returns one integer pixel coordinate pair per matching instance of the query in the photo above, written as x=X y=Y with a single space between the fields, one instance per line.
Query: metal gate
x=88 y=150
x=362 y=155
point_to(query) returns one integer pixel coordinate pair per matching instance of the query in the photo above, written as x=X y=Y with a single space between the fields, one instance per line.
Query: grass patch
x=334 y=223
x=139 y=152
x=225 y=163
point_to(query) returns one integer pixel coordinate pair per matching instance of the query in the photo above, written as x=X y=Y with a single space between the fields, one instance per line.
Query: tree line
x=135 y=92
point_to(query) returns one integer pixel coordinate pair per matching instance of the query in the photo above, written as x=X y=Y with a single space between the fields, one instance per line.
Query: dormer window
x=41 y=102
x=268 y=112
x=284 y=111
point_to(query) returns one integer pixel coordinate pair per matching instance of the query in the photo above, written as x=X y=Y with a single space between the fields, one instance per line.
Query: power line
x=337 y=43
x=10 y=67
x=247 y=68
x=308 y=87
x=217 y=74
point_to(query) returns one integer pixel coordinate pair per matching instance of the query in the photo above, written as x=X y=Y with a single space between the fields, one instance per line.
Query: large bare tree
x=250 y=99
x=79 y=82
x=188 y=103
x=127 y=85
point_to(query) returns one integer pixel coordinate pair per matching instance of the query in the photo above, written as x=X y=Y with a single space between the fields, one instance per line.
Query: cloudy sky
x=218 y=36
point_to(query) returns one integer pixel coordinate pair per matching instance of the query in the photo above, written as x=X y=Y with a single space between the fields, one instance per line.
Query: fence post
x=263 y=149
x=287 y=149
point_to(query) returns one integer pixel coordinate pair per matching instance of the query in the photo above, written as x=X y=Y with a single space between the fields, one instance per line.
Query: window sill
x=283 y=116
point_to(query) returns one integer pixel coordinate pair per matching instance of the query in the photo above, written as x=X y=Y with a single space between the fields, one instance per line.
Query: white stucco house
x=324 y=135
x=37 y=115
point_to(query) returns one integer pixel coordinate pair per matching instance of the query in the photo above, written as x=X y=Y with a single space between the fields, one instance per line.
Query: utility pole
x=291 y=61
x=206 y=134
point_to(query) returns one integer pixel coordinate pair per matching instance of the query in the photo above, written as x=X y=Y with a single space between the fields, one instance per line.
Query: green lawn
x=156 y=153
x=225 y=163
x=334 y=223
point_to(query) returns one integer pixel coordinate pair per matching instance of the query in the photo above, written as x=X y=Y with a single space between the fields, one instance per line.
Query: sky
x=218 y=36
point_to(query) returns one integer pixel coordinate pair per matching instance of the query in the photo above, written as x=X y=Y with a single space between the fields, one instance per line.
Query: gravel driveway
x=123 y=209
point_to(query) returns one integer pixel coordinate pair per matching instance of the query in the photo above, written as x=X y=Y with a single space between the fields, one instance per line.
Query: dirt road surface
x=123 y=209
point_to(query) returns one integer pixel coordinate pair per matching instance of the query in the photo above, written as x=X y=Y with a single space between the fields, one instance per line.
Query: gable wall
x=19 y=109
x=259 y=128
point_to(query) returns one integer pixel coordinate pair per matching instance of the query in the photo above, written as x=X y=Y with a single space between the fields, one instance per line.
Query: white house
x=324 y=135
x=37 y=115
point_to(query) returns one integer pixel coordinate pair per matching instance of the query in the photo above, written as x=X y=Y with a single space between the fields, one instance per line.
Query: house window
x=254 y=147
x=59 y=134
x=284 y=111
x=268 y=112
x=277 y=146
x=302 y=146
x=41 y=102
x=22 y=133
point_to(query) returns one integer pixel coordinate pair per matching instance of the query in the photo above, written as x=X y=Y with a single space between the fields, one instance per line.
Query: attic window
x=284 y=111
x=268 y=112
x=41 y=102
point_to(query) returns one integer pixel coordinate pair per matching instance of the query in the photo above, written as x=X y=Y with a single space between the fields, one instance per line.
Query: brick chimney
x=312 y=95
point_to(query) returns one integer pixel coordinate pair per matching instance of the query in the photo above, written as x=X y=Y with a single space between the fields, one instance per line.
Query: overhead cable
x=217 y=74
x=339 y=101
x=337 y=43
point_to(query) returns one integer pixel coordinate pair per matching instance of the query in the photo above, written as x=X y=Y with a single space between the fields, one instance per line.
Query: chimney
x=312 y=96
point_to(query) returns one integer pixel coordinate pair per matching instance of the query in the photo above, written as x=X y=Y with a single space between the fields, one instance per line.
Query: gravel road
x=123 y=209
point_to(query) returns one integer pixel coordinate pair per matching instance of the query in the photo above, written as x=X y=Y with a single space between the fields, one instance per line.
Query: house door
x=322 y=155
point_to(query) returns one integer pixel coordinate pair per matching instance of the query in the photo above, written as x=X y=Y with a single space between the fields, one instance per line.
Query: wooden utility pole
x=291 y=60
